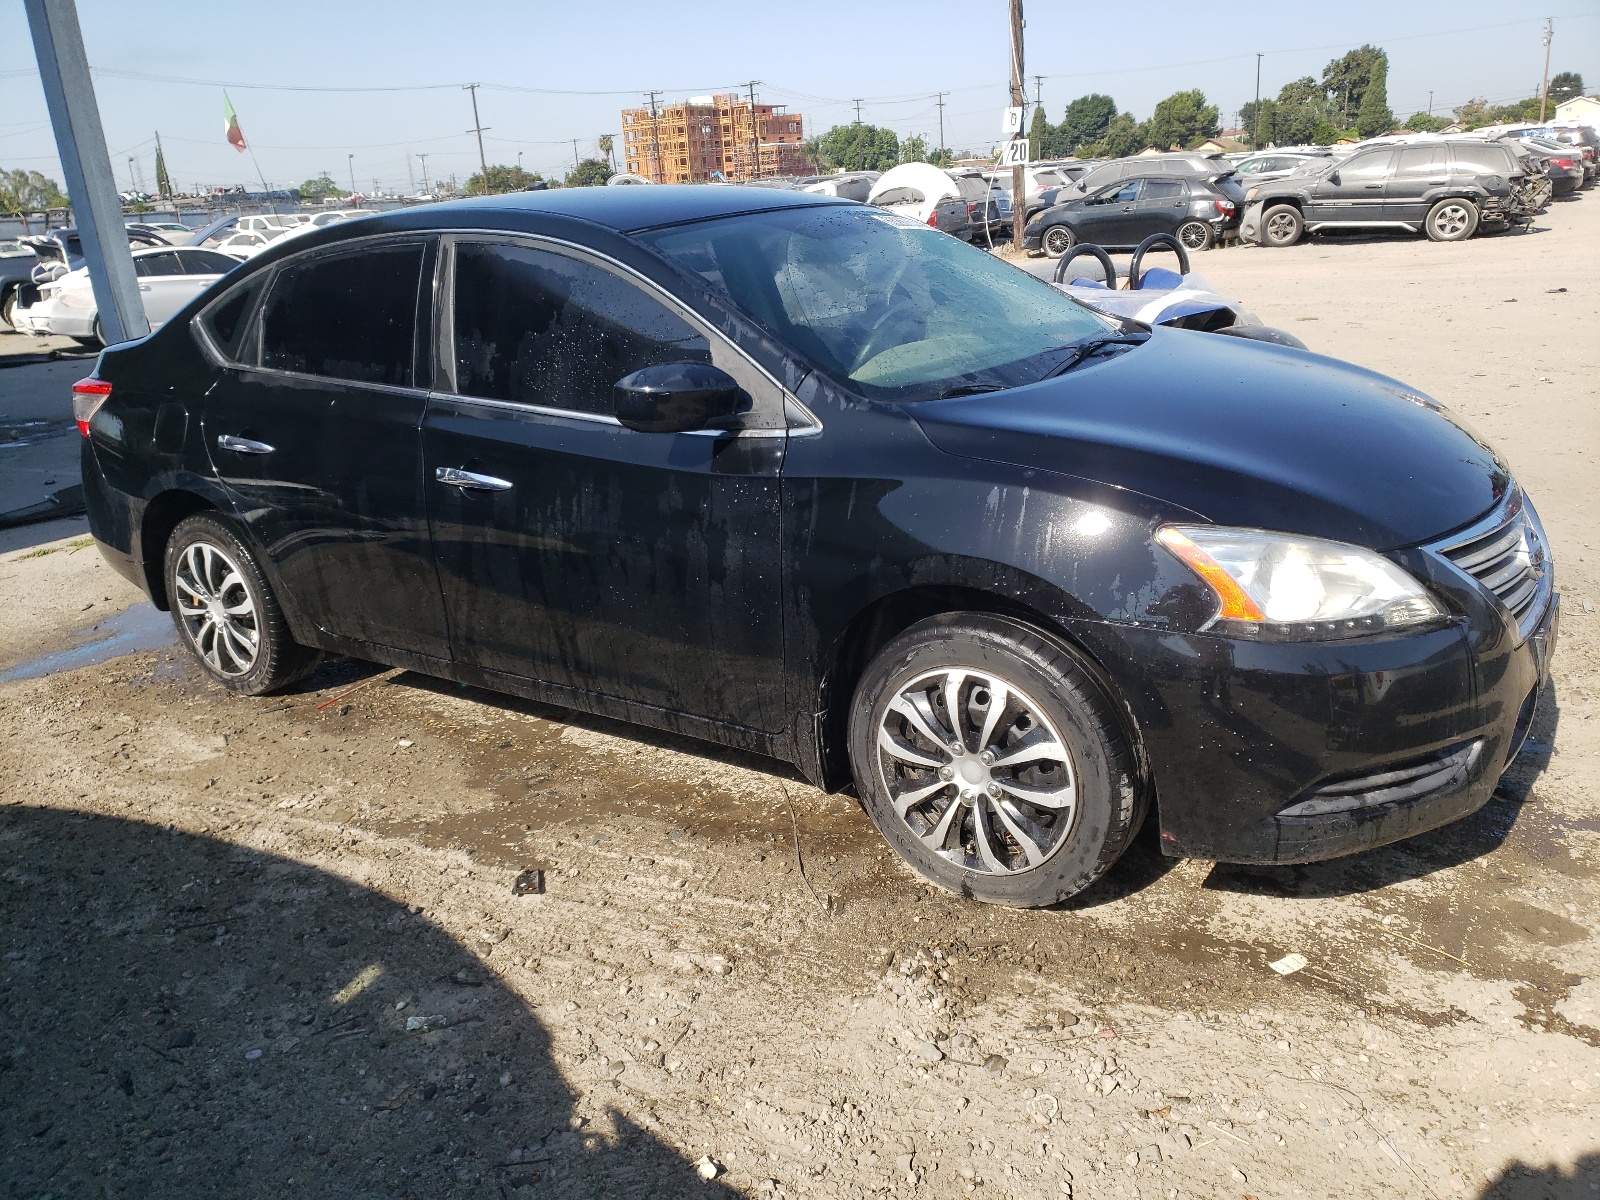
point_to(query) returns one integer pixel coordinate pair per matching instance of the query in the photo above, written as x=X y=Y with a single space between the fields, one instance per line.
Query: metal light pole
x=352 y=159
x=81 y=143
x=1544 y=87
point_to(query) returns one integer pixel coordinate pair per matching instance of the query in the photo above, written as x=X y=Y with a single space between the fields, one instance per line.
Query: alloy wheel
x=977 y=772
x=1451 y=221
x=1280 y=227
x=1193 y=235
x=1057 y=241
x=216 y=608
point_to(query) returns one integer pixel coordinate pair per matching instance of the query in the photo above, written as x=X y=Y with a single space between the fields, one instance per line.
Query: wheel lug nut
x=957 y=748
x=946 y=773
x=994 y=790
x=987 y=758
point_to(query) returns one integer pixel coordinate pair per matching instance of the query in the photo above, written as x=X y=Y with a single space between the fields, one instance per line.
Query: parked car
x=245 y=244
x=1121 y=215
x=923 y=192
x=17 y=260
x=1197 y=166
x=765 y=468
x=847 y=185
x=988 y=205
x=43 y=258
x=1273 y=164
x=174 y=233
x=1444 y=187
x=1043 y=184
x=1565 y=163
x=168 y=279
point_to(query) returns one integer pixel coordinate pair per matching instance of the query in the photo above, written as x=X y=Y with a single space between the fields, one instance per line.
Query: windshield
x=888 y=307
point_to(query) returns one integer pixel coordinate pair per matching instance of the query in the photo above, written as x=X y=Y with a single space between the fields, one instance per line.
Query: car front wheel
x=1452 y=220
x=1058 y=240
x=226 y=612
x=1282 y=225
x=1195 y=235
x=991 y=759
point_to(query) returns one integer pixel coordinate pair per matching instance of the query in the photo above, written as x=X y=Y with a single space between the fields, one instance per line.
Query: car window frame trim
x=799 y=420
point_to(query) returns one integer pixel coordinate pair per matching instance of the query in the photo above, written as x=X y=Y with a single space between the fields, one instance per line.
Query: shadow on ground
x=184 y=1017
x=1522 y=1182
x=1464 y=840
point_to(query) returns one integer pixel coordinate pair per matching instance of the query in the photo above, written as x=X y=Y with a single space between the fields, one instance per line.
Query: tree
x=1181 y=120
x=321 y=188
x=591 y=172
x=1470 y=114
x=1565 y=86
x=1086 y=121
x=1374 y=117
x=1425 y=123
x=28 y=190
x=1123 y=136
x=1039 y=132
x=503 y=179
x=914 y=149
x=859 y=148
x=1344 y=80
x=605 y=143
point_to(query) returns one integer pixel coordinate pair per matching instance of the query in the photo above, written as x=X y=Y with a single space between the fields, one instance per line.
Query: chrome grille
x=1507 y=555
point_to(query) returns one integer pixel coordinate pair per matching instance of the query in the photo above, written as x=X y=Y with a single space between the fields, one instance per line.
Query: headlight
x=1251 y=194
x=1273 y=587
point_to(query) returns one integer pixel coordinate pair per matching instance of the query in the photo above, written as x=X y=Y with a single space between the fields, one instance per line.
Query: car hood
x=1241 y=433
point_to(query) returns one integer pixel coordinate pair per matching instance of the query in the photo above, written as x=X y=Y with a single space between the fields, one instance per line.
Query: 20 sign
x=1014 y=153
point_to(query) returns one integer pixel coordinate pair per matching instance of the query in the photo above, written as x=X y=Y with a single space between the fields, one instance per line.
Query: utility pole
x=857 y=103
x=423 y=158
x=352 y=159
x=940 y=102
x=1019 y=99
x=1038 y=91
x=86 y=164
x=161 y=166
x=1544 y=87
x=574 y=154
x=655 y=139
x=755 y=134
x=411 y=178
x=1255 y=133
x=477 y=128
x=1430 y=102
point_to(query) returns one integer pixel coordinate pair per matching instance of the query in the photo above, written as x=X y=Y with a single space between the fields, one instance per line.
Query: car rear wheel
x=1452 y=220
x=226 y=612
x=991 y=759
x=1058 y=240
x=8 y=309
x=1282 y=225
x=1195 y=235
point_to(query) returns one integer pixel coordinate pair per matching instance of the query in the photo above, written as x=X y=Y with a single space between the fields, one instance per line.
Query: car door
x=1418 y=171
x=642 y=567
x=162 y=287
x=1161 y=208
x=1107 y=217
x=1353 y=192
x=316 y=433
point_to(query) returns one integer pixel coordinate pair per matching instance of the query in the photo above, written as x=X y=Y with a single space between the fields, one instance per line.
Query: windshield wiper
x=1082 y=350
x=969 y=389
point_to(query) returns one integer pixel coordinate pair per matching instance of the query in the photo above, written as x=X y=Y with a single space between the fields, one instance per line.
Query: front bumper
x=1237 y=732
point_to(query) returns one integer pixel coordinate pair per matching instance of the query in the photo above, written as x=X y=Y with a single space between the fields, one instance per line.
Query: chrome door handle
x=144 y=287
x=456 y=477
x=241 y=445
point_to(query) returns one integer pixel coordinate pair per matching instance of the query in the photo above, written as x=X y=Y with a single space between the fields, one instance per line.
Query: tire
x=1057 y=240
x=8 y=309
x=1282 y=225
x=1452 y=220
x=241 y=641
x=1036 y=854
x=1195 y=236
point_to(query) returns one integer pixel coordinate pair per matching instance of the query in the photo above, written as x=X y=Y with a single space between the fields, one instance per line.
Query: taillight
x=1225 y=207
x=87 y=397
x=933 y=218
x=972 y=211
x=1564 y=163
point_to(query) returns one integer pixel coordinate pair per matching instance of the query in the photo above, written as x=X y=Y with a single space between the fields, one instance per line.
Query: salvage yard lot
x=276 y=942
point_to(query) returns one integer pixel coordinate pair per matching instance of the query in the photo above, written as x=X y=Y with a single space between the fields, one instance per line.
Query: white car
x=244 y=245
x=176 y=234
x=168 y=279
x=950 y=203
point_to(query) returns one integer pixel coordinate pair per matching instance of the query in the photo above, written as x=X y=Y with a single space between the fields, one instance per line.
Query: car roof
x=630 y=209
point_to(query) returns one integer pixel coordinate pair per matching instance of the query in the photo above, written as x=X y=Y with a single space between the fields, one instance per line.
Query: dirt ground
x=274 y=947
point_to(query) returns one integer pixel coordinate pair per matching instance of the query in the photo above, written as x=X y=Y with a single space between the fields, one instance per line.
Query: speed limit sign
x=1014 y=153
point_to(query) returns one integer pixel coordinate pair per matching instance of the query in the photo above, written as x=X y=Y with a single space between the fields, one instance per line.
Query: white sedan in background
x=168 y=279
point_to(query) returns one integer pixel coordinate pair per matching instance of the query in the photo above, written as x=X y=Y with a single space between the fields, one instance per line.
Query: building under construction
x=704 y=137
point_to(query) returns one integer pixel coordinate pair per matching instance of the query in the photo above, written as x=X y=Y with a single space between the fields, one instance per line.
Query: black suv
x=1447 y=189
x=1196 y=212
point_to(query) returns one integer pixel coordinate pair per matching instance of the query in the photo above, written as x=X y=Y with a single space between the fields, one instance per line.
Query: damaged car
x=799 y=476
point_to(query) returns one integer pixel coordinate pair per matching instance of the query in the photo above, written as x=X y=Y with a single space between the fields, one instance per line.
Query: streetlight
x=519 y=160
x=352 y=159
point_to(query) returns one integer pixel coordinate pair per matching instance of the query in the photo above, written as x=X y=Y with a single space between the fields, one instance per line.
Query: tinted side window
x=1366 y=168
x=1482 y=160
x=1128 y=192
x=541 y=328
x=157 y=264
x=1163 y=189
x=228 y=321
x=205 y=262
x=348 y=317
x=1418 y=161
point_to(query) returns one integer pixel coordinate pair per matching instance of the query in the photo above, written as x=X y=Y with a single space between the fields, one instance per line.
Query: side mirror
x=676 y=398
x=1333 y=178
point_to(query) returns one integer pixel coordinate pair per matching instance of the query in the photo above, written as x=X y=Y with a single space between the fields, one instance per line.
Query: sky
x=315 y=83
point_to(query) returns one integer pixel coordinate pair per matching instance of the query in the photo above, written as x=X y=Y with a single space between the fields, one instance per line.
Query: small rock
x=466 y=977
x=1132 y=1159
x=1150 y=1154
x=572 y=1006
x=904 y=1163
x=493 y=936
x=994 y=1064
x=505 y=1079
x=929 y=1051
x=253 y=1054
x=438 y=1021
x=404 y=743
x=1239 y=1176
x=1288 y=964
x=1037 y=1068
x=529 y=883
x=707 y=1168
x=967 y=1173
x=181 y=1039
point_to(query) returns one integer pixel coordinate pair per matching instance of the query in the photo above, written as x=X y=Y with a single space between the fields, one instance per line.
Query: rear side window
x=1163 y=189
x=350 y=316
x=541 y=328
x=228 y=320
x=1482 y=160
x=157 y=264
x=205 y=262
x=1418 y=161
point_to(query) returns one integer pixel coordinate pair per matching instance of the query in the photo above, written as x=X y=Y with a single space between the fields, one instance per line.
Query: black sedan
x=1198 y=212
x=798 y=476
